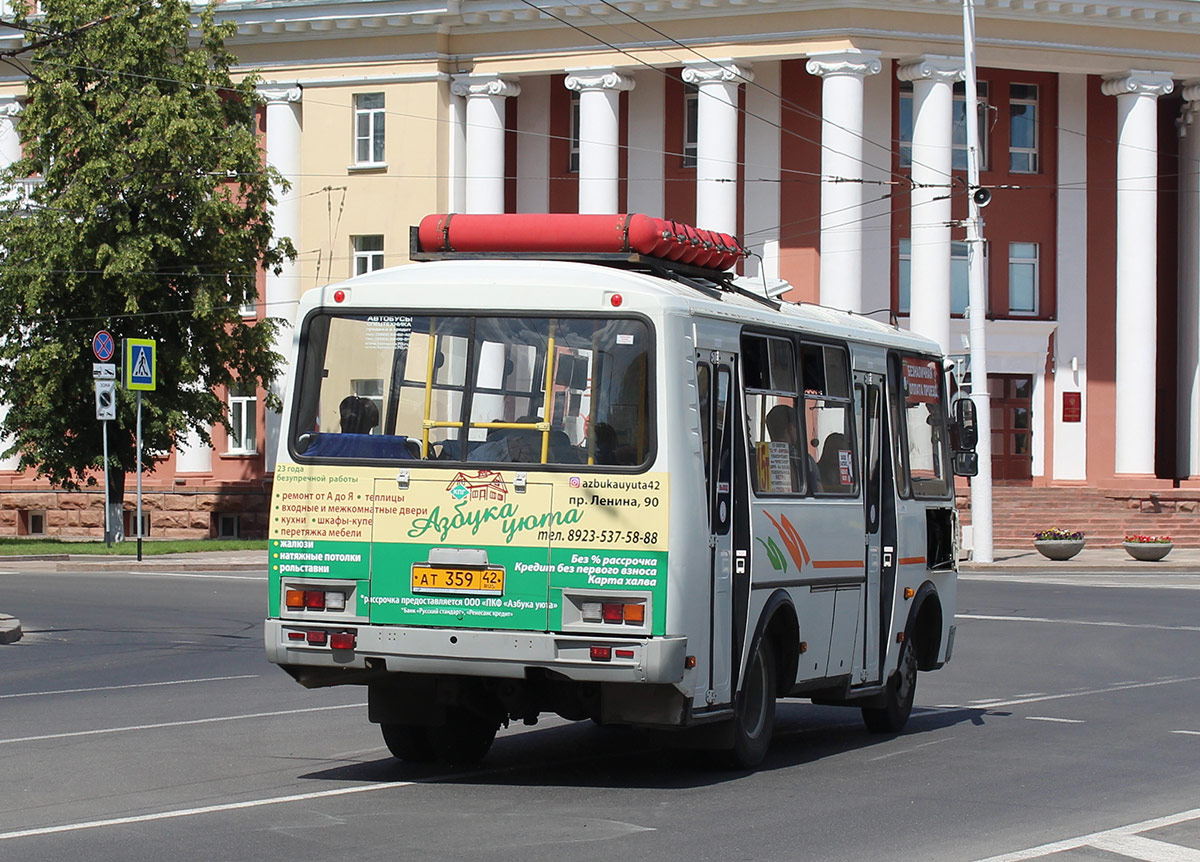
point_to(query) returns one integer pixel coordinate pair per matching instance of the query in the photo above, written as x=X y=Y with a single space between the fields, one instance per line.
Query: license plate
x=459 y=580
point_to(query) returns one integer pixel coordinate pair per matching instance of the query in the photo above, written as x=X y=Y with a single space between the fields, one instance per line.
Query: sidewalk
x=1185 y=560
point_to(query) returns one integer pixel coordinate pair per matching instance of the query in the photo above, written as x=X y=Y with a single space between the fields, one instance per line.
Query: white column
x=1188 y=433
x=717 y=141
x=10 y=151
x=879 y=103
x=842 y=172
x=283 y=289
x=599 y=136
x=932 y=164
x=762 y=187
x=10 y=138
x=485 y=95
x=456 y=192
x=533 y=146
x=1137 y=241
x=644 y=192
x=1070 y=369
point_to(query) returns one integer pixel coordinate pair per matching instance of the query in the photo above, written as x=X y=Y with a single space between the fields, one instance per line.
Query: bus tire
x=754 y=710
x=465 y=737
x=408 y=742
x=898 y=695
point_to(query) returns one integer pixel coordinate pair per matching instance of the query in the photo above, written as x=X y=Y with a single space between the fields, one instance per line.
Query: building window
x=1022 y=278
x=368 y=129
x=32 y=522
x=242 y=421
x=691 y=124
x=1023 y=128
x=228 y=525
x=959 y=277
x=573 y=155
x=368 y=254
x=959 y=137
x=370 y=388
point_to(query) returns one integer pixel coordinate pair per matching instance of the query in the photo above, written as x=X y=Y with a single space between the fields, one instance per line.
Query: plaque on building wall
x=1072 y=407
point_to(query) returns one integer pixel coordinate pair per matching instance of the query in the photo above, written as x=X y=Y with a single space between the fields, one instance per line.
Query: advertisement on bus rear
x=473 y=548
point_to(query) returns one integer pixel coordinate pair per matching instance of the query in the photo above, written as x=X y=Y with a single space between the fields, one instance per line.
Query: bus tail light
x=317 y=638
x=335 y=600
x=314 y=600
x=613 y=612
x=590 y=612
x=294 y=600
x=342 y=640
x=635 y=613
x=601 y=653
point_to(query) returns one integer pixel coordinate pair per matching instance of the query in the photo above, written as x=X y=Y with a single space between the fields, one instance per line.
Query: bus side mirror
x=965 y=463
x=966 y=427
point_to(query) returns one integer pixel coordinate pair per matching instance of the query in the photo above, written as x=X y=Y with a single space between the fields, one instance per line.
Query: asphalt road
x=140 y=720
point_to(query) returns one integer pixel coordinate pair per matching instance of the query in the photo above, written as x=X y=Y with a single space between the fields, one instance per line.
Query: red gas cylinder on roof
x=567 y=233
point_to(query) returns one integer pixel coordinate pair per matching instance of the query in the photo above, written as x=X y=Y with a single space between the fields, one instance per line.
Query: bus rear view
x=496 y=496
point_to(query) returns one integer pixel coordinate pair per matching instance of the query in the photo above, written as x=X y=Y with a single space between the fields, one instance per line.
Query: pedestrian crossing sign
x=141 y=369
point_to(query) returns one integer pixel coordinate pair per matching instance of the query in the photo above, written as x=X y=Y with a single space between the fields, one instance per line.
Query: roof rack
x=697 y=258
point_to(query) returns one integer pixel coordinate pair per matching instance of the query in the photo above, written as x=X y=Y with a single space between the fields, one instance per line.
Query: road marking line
x=1056 y=720
x=207 y=809
x=1084 y=840
x=909 y=750
x=1012 y=619
x=1187 y=732
x=100 y=731
x=131 y=685
x=1083 y=693
x=1137 y=847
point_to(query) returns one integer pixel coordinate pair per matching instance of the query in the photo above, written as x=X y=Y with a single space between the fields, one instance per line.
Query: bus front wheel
x=754 y=712
x=898 y=695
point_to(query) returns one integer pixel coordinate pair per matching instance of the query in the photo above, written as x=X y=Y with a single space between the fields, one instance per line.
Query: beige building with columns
x=830 y=136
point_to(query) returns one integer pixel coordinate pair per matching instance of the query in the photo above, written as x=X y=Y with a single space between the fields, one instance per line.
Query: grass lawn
x=11 y=546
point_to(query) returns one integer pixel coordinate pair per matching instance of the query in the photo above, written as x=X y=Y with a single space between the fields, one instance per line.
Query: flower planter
x=1058 y=549
x=1148 y=551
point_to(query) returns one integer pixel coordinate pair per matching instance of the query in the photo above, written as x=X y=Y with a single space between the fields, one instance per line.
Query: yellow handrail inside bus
x=548 y=401
x=428 y=387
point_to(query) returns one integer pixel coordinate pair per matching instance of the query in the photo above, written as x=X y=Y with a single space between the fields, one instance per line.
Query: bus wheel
x=465 y=737
x=754 y=711
x=898 y=695
x=409 y=742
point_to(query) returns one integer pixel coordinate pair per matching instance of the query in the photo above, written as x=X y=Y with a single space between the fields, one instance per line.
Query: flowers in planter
x=1148 y=540
x=1054 y=534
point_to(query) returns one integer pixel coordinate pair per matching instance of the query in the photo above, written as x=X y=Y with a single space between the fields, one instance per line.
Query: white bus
x=608 y=487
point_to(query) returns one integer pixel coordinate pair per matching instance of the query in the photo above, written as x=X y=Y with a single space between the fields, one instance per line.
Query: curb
x=160 y=565
x=10 y=629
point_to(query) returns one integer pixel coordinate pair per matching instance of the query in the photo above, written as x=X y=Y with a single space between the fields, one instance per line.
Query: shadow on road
x=582 y=754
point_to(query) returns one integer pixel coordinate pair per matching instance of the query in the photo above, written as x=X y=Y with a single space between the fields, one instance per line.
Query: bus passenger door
x=879 y=519
x=715 y=382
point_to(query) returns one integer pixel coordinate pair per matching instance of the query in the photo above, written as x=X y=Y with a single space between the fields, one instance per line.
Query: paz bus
x=569 y=464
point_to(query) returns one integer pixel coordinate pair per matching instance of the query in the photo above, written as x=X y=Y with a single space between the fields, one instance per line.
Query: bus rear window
x=393 y=387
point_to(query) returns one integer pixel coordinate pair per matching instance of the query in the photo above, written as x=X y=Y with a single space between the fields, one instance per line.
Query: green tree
x=151 y=221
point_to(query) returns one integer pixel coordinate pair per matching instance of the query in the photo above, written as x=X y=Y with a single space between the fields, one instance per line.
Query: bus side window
x=829 y=419
x=704 y=392
x=777 y=451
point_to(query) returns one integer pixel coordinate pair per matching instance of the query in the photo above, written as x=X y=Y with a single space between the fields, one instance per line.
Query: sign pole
x=139 y=475
x=107 y=527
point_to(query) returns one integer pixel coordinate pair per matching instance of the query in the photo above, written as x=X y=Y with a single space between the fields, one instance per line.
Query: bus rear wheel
x=754 y=712
x=897 y=697
x=464 y=739
x=408 y=742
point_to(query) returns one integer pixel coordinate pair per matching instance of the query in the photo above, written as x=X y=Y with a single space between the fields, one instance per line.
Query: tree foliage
x=151 y=221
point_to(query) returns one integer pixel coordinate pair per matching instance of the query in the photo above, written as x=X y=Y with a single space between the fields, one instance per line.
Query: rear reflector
x=624 y=653
x=601 y=653
x=295 y=636
x=317 y=638
x=342 y=640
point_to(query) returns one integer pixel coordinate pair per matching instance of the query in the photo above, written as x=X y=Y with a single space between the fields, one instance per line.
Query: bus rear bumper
x=473 y=652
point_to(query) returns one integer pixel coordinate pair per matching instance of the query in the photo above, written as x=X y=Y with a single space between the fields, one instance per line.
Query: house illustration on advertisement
x=484 y=485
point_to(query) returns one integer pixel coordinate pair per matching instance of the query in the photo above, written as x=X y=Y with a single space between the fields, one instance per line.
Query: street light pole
x=981 y=484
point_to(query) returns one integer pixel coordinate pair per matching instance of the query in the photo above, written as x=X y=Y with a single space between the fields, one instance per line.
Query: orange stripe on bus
x=912 y=561
x=837 y=564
